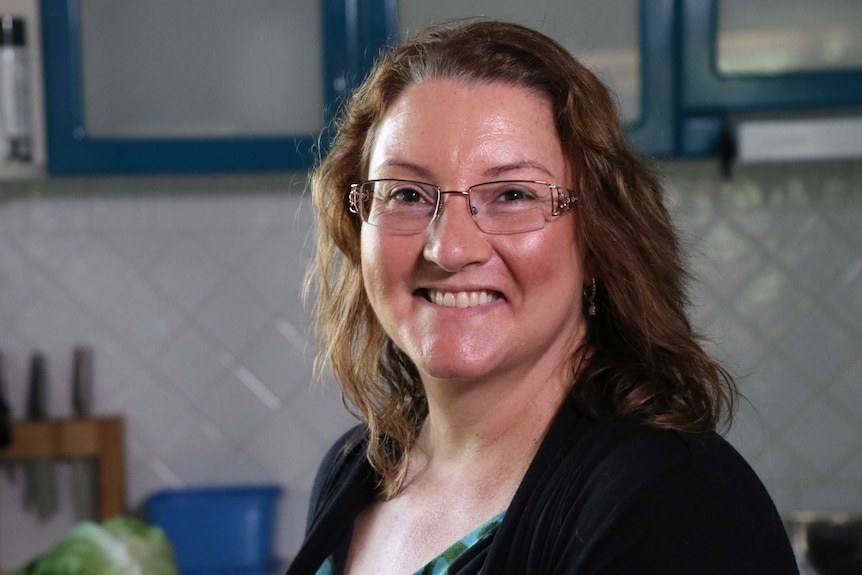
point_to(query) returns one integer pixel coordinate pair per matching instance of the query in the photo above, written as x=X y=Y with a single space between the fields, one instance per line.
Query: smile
x=462 y=298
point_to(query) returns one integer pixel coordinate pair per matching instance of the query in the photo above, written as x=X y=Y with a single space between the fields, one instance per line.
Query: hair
x=640 y=354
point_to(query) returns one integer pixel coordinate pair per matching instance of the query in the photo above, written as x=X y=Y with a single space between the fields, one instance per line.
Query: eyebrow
x=493 y=172
x=498 y=171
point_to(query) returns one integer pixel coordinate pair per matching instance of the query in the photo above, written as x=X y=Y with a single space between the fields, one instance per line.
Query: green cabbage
x=119 y=546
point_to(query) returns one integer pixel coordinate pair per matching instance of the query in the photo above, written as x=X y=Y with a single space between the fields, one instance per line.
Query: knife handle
x=38 y=389
x=82 y=381
x=5 y=411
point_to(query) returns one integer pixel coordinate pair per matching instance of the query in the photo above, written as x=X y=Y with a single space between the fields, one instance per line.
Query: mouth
x=461 y=299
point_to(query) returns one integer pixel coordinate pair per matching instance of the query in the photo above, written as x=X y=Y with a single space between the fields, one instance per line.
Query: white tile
x=235 y=409
x=770 y=299
x=776 y=391
x=817 y=254
x=153 y=413
x=116 y=371
x=96 y=276
x=847 y=388
x=141 y=249
x=728 y=257
x=832 y=496
x=18 y=277
x=772 y=227
x=824 y=436
x=820 y=346
x=281 y=362
x=277 y=270
x=235 y=247
x=188 y=273
x=241 y=469
x=146 y=475
x=319 y=405
x=739 y=347
x=14 y=213
x=143 y=319
x=123 y=213
x=234 y=316
x=216 y=210
x=51 y=251
x=67 y=213
x=191 y=363
x=196 y=450
x=289 y=450
x=54 y=320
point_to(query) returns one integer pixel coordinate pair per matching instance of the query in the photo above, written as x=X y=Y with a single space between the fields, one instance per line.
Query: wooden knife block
x=99 y=438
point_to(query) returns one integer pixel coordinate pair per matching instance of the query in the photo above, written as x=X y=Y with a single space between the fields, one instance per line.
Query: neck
x=489 y=423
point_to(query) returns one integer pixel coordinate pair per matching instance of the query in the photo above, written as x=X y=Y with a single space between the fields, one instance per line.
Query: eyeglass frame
x=561 y=204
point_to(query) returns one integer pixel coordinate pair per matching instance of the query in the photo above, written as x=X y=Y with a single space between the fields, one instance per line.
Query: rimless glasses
x=504 y=207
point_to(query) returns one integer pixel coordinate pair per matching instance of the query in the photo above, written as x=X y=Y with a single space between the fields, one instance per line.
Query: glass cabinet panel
x=605 y=36
x=201 y=68
x=786 y=36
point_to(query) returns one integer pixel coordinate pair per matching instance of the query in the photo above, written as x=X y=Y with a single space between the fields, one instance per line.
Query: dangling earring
x=591 y=310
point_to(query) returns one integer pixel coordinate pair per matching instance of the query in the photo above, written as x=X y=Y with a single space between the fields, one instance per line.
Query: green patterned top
x=440 y=564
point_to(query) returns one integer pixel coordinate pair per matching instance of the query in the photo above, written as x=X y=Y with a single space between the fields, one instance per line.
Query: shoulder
x=343 y=457
x=627 y=454
x=615 y=495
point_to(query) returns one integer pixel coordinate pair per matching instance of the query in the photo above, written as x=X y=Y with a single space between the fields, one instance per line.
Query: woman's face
x=522 y=291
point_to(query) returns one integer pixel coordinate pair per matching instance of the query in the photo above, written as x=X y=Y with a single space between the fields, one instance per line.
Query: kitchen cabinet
x=770 y=56
x=217 y=85
x=628 y=43
x=196 y=85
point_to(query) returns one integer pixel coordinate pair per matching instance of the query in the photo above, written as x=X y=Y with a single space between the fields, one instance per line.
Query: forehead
x=447 y=124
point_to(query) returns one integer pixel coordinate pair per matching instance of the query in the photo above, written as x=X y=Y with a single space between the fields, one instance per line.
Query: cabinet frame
x=706 y=89
x=72 y=151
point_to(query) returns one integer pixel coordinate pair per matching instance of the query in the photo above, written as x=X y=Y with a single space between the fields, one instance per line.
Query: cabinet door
x=628 y=43
x=743 y=56
x=192 y=85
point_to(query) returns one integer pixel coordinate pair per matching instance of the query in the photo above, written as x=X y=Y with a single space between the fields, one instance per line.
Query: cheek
x=384 y=265
x=553 y=259
x=371 y=265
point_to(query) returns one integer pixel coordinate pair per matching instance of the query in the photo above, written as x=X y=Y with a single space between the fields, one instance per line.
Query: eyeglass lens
x=497 y=207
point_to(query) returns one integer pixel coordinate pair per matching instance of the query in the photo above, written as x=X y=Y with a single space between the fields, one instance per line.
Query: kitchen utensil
x=40 y=485
x=84 y=471
x=5 y=412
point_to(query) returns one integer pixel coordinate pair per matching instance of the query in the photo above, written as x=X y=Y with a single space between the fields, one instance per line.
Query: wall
x=188 y=289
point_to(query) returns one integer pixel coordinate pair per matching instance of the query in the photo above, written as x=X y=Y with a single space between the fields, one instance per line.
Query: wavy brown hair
x=642 y=356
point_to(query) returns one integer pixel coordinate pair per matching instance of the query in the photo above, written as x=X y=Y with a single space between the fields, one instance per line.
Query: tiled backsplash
x=188 y=290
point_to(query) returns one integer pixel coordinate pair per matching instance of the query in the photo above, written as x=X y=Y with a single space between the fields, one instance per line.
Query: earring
x=591 y=310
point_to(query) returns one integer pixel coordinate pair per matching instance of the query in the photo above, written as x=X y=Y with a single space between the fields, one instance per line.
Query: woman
x=501 y=299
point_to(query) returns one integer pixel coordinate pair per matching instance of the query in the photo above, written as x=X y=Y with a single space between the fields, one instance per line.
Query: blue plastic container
x=219 y=530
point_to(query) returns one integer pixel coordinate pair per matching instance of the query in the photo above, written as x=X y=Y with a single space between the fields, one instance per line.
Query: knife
x=5 y=412
x=40 y=485
x=84 y=471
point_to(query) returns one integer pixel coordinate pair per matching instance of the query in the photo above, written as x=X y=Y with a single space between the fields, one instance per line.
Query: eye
x=407 y=193
x=515 y=192
x=399 y=194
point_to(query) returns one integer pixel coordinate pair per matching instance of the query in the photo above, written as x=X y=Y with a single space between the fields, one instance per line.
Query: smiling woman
x=502 y=301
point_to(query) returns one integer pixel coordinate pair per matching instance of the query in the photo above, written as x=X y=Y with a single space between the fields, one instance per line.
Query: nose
x=454 y=240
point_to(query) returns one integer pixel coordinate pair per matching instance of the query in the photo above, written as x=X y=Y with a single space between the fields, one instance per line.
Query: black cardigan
x=609 y=496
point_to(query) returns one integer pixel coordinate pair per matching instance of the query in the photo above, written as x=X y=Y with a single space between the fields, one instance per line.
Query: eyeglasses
x=505 y=207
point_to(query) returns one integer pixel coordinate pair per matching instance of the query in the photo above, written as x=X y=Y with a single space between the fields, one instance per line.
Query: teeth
x=462 y=298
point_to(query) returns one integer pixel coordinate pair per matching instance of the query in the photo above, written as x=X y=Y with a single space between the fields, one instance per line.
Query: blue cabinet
x=628 y=43
x=185 y=85
x=743 y=57
x=220 y=85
